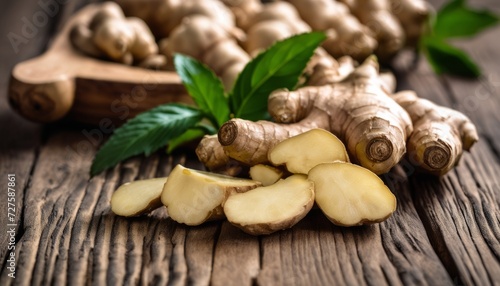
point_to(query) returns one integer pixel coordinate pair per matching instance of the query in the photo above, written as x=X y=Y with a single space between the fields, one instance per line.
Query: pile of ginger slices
x=276 y=197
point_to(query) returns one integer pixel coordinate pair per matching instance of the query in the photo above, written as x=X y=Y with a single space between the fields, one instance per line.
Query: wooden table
x=445 y=230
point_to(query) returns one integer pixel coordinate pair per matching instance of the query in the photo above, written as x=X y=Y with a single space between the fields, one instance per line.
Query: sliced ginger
x=267 y=209
x=304 y=151
x=265 y=174
x=193 y=197
x=351 y=195
x=138 y=197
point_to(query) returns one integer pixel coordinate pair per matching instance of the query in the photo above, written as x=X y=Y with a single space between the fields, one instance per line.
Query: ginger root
x=210 y=152
x=163 y=16
x=412 y=14
x=351 y=195
x=357 y=110
x=265 y=210
x=346 y=35
x=80 y=36
x=243 y=11
x=276 y=21
x=201 y=38
x=440 y=134
x=110 y=35
x=378 y=17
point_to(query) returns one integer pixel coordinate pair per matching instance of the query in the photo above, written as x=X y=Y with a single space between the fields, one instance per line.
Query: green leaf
x=145 y=133
x=457 y=20
x=205 y=88
x=190 y=135
x=278 y=67
x=445 y=58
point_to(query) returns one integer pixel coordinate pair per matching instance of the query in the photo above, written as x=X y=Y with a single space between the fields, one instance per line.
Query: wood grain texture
x=461 y=210
x=20 y=139
x=445 y=231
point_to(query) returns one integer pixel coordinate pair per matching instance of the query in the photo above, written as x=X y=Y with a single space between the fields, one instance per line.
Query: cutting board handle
x=65 y=83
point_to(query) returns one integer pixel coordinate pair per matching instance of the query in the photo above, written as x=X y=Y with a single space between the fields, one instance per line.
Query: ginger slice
x=304 y=151
x=267 y=209
x=351 y=195
x=193 y=197
x=265 y=174
x=138 y=197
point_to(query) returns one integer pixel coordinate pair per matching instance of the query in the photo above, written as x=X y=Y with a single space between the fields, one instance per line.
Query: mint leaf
x=278 y=67
x=445 y=58
x=190 y=135
x=145 y=133
x=205 y=88
x=457 y=20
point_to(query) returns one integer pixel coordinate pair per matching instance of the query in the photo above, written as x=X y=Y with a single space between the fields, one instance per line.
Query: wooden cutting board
x=64 y=83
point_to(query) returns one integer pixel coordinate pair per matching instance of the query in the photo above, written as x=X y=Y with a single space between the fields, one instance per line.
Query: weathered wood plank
x=461 y=214
x=395 y=252
x=236 y=257
x=69 y=227
x=460 y=211
x=20 y=139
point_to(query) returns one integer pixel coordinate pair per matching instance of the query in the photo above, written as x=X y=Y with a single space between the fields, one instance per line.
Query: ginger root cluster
x=357 y=104
x=225 y=34
x=377 y=125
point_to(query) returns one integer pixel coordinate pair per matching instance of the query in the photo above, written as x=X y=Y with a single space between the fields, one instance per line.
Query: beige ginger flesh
x=351 y=195
x=265 y=174
x=193 y=197
x=303 y=152
x=268 y=209
x=137 y=197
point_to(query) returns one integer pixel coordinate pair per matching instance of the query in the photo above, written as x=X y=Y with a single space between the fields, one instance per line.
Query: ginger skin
x=249 y=142
x=357 y=110
x=323 y=69
x=203 y=39
x=243 y=11
x=412 y=14
x=378 y=17
x=163 y=16
x=346 y=35
x=280 y=20
x=210 y=152
x=276 y=21
x=110 y=35
x=440 y=134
